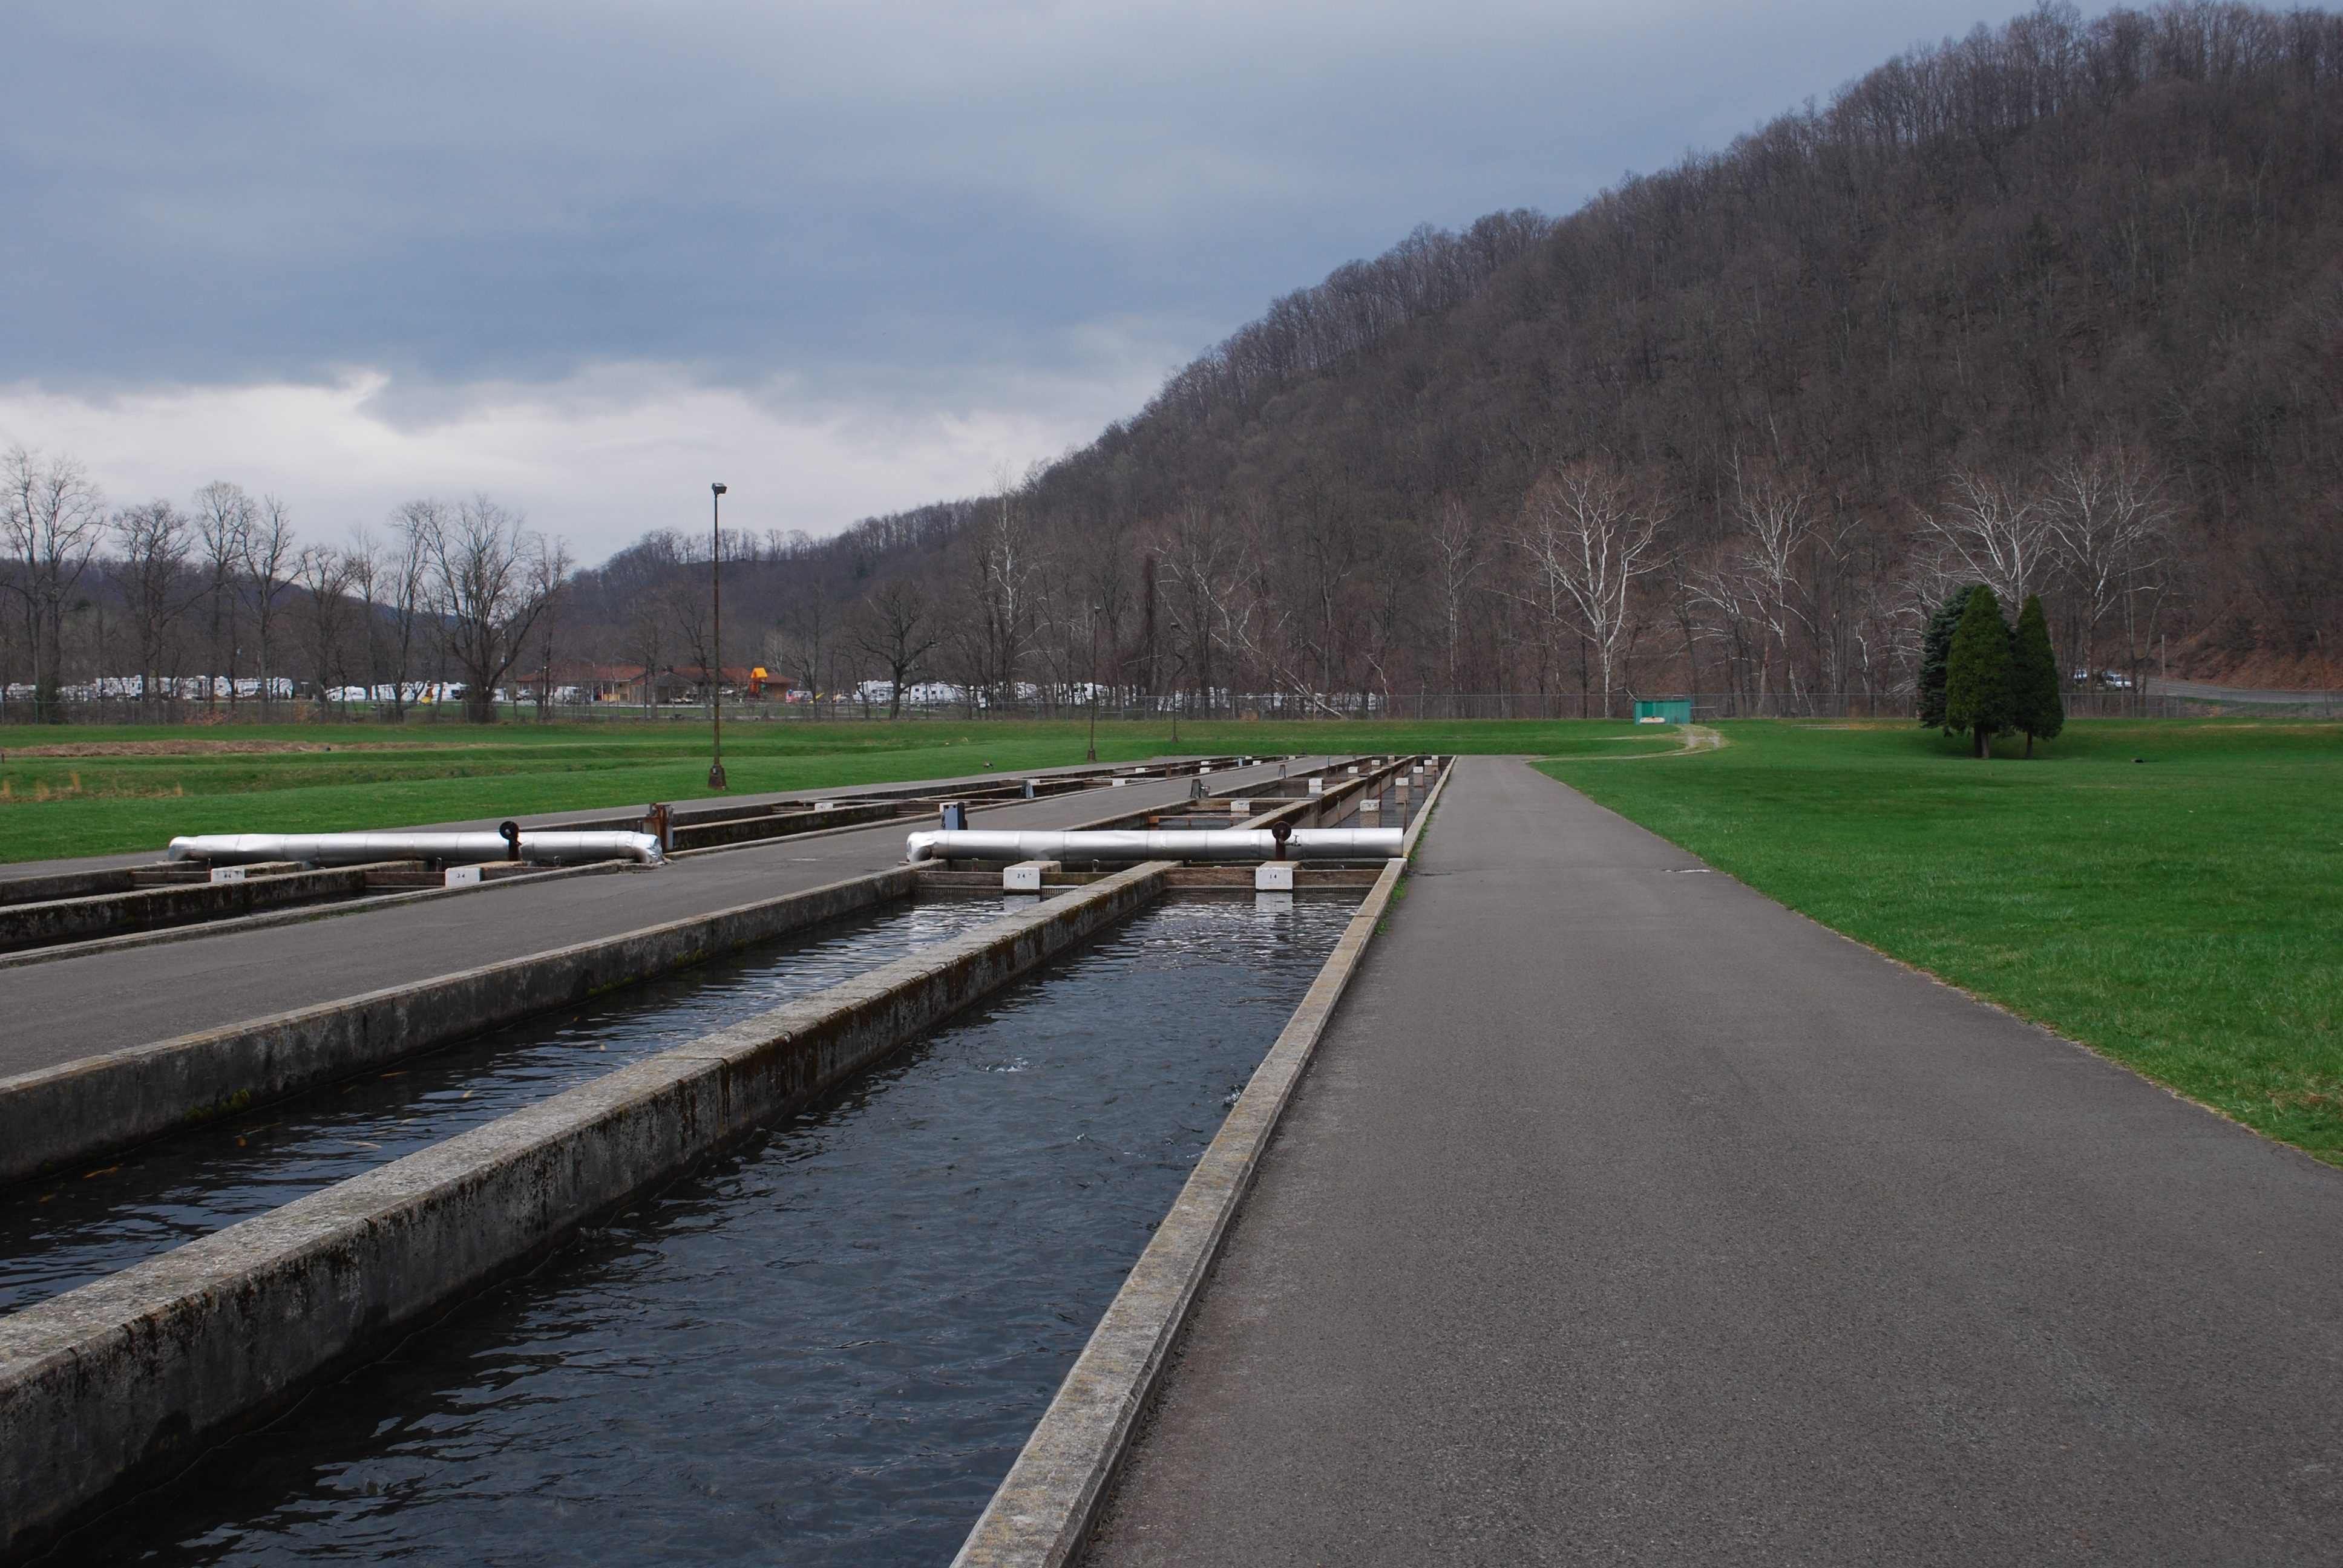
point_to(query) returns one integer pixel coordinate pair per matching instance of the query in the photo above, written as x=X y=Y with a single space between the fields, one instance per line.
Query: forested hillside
x=2057 y=306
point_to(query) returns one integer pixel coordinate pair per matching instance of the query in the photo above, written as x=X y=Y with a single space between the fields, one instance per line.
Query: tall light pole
x=716 y=631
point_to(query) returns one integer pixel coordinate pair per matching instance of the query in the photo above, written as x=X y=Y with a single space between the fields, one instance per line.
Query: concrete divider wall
x=1441 y=767
x=120 y=1382
x=76 y=1110
x=71 y=1112
x=67 y=920
x=1324 y=810
x=1042 y=1514
x=65 y=885
x=755 y=829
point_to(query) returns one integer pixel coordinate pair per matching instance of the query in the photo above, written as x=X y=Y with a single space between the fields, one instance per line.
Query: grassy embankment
x=90 y=790
x=2179 y=914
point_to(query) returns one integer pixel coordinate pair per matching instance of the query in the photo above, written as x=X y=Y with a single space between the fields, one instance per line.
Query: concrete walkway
x=62 y=1010
x=1625 y=1216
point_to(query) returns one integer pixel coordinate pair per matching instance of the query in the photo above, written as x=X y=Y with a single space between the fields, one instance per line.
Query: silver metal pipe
x=1160 y=844
x=538 y=847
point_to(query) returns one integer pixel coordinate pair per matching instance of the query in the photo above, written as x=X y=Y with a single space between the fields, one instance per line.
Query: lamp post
x=716 y=631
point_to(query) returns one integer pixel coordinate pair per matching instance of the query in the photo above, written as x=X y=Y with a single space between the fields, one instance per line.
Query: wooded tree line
x=153 y=611
x=2055 y=307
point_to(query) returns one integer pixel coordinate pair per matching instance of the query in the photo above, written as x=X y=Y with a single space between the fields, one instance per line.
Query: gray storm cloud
x=871 y=212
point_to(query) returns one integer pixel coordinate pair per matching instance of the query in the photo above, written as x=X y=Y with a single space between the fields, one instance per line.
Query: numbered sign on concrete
x=1025 y=877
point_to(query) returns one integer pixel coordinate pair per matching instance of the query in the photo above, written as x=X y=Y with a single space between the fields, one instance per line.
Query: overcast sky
x=848 y=258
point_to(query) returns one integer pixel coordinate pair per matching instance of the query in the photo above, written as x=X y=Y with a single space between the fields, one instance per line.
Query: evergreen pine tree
x=1979 y=675
x=1936 y=647
x=2035 y=707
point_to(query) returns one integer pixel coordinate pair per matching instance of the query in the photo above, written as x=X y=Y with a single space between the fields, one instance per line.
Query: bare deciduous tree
x=268 y=561
x=224 y=515
x=803 y=643
x=897 y=628
x=691 y=617
x=2108 y=514
x=1588 y=536
x=51 y=518
x=1754 y=595
x=490 y=578
x=1001 y=598
x=2000 y=534
x=554 y=567
x=326 y=575
x=389 y=582
x=1457 y=560
x=149 y=576
x=645 y=631
x=1202 y=579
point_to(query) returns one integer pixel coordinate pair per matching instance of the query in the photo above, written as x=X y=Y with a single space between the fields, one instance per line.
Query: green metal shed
x=1665 y=710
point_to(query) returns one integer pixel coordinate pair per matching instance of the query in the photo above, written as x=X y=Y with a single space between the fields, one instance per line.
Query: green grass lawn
x=2183 y=913
x=380 y=776
x=2180 y=914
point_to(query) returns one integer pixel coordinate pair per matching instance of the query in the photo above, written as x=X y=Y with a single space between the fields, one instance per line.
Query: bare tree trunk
x=153 y=539
x=224 y=515
x=267 y=557
x=491 y=580
x=52 y=521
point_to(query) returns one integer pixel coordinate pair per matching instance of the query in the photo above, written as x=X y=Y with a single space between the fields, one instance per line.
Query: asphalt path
x=1625 y=1216
x=70 y=1007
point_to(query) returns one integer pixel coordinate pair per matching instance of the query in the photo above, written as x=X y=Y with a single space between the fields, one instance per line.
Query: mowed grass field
x=2182 y=913
x=79 y=789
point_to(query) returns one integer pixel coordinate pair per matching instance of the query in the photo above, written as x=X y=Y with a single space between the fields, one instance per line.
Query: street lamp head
x=719 y=489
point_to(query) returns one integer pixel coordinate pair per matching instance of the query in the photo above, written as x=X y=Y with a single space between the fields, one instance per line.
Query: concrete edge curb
x=386 y=901
x=56 y=1116
x=1043 y=1509
x=882 y=827
x=293 y=916
x=389 y=900
x=127 y=1379
x=812 y=833
x=36 y=923
x=1424 y=812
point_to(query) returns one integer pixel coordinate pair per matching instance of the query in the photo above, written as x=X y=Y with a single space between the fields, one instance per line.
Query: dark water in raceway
x=67 y=1231
x=826 y=1347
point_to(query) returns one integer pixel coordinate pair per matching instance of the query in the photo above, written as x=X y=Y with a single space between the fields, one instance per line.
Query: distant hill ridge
x=2066 y=291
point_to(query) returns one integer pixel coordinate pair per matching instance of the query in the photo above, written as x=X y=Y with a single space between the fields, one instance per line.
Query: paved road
x=61 y=1011
x=2200 y=691
x=1627 y=1217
